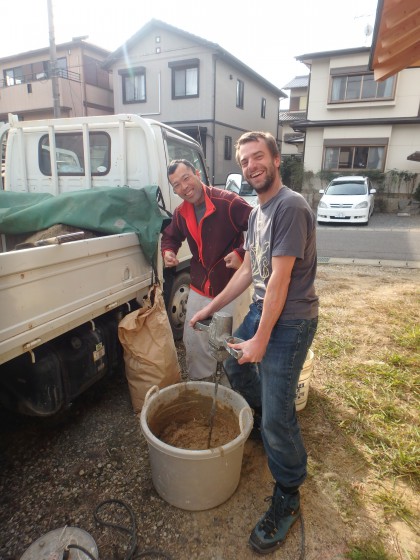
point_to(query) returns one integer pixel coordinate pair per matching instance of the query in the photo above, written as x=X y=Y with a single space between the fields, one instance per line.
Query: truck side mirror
x=234 y=182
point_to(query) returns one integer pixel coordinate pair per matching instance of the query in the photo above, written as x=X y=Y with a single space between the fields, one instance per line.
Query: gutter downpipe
x=214 y=118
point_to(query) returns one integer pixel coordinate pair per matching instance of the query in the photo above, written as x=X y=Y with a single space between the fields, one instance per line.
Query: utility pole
x=53 y=63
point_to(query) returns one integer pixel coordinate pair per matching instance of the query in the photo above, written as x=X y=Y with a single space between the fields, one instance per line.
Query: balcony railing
x=39 y=76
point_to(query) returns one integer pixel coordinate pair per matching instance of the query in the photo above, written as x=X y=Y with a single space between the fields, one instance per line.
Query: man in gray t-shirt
x=280 y=262
x=285 y=225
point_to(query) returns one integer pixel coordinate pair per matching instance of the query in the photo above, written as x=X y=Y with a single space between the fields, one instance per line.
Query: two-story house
x=84 y=87
x=355 y=123
x=196 y=86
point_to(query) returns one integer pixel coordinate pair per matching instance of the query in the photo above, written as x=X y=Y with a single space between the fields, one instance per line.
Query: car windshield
x=346 y=189
x=247 y=190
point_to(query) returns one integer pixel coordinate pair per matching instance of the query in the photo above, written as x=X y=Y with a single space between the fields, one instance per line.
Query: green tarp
x=107 y=210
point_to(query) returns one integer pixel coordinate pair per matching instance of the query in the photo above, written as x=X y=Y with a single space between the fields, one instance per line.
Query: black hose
x=131 y=531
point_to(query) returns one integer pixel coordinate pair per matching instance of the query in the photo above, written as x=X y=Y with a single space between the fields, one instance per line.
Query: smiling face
x=187 y=184
x=259 y=167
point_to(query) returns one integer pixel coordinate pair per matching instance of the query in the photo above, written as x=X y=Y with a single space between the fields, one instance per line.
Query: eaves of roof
x=65 y=46
x=302 y=126
x=298 y=82
x=307 y=58
x=415 y=156
x=396 y=38
x=287 y=116
x=292 y=138
x=157 y=24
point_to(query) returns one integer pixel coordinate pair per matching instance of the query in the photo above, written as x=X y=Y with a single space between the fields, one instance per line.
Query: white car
x=237 y=184
x=347 y=199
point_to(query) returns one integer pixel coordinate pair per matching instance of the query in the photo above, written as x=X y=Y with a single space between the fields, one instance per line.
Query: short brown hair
x=254 y=136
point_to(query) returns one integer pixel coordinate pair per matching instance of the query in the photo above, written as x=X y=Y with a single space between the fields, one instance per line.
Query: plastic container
x=188 y=479
x=304 y=381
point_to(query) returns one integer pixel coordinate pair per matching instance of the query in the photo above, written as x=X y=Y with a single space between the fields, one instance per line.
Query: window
x=63 y=72
x=240 y=87
x=69 y=153
x=359 y=87
x=228 y=147
x=185 y=78
x=263 y=107
x=13 y=76
x=94 y=74
x=354 y=157
x=134 y=85
x=37 y=71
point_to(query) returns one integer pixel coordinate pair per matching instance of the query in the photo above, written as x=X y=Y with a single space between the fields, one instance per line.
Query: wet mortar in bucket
x=185 y=422
x=185 y=472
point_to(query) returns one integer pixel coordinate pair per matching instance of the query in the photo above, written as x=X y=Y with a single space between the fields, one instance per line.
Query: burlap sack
x=150 y=355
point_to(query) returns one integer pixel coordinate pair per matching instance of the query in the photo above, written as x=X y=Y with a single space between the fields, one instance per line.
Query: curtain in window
x=191 y=80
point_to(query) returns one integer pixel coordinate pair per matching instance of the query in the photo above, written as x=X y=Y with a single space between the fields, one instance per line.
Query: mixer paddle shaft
x=218 y=375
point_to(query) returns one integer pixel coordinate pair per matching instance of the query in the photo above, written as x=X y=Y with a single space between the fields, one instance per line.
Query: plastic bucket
x=304 y=381
x=189 y=479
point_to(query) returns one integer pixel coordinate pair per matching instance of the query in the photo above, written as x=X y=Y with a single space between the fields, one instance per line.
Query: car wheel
x=177 y=303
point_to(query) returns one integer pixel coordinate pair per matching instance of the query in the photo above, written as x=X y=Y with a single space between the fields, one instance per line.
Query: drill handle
x=232 y=351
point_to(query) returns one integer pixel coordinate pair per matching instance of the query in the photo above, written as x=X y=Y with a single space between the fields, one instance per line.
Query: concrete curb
x=369 y=262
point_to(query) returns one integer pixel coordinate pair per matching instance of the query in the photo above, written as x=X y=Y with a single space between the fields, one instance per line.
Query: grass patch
x=369 y=551
x=394 y=507
x=383 y=395
x=368 y=370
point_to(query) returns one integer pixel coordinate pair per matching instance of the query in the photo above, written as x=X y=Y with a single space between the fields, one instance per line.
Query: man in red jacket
x=213 y=221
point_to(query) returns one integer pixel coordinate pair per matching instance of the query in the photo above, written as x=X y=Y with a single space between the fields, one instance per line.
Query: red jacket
x=219 y=232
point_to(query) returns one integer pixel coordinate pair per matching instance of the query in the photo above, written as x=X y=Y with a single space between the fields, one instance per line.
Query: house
x=84 y=87
x=355 y=124
x=196 y=86
x=293 y=142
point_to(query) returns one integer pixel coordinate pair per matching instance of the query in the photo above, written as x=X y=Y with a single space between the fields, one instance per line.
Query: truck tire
x=177 y=303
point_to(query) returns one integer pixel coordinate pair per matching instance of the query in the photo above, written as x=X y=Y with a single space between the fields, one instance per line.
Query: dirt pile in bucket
x=185 y=423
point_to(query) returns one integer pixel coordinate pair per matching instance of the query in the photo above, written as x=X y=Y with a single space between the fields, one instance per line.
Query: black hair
x=174 y=164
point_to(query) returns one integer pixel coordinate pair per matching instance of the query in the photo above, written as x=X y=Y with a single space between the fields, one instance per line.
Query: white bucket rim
x=180 y=452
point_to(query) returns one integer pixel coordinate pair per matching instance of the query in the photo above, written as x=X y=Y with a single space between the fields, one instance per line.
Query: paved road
x=388 y=239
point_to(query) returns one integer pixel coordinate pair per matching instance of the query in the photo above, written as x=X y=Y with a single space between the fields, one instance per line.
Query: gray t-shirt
x=285 y=225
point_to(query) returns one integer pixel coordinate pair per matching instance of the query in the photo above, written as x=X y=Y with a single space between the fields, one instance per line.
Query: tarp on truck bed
x=107 y=210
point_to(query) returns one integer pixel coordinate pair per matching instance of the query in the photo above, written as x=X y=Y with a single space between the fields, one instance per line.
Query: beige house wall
x=33 y=99
x=402 y=139
x=215 y=107
x=406 y=102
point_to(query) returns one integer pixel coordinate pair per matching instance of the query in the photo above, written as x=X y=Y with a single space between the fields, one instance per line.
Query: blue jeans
x=272 y=385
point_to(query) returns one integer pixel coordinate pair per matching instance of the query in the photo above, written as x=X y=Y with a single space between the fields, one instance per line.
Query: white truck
x=61 y=301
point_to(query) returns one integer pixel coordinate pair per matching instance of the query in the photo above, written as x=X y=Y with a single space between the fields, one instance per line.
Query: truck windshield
x=179 y=150
x=69 y=153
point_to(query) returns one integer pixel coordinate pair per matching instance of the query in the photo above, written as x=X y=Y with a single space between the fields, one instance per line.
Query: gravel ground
x=54 y=473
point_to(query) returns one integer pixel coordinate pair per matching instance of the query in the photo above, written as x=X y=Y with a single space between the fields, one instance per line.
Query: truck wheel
x=177 y=305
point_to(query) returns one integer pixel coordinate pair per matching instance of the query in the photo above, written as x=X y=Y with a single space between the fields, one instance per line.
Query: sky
x=266 y=35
